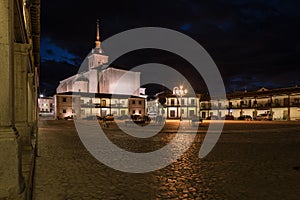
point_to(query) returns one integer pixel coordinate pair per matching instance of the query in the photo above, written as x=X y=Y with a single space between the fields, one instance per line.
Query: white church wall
x=93 y=81
x=117 y=81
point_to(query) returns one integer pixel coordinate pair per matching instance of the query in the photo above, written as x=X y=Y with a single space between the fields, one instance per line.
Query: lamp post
x=180 y=92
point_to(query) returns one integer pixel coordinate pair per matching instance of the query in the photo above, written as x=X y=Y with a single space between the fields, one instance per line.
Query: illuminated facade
x=281 y=103
x=102 y=89
x=170 y=107
x=46 y=104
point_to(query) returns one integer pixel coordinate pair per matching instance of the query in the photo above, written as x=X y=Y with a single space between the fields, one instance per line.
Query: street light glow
x=180 y=92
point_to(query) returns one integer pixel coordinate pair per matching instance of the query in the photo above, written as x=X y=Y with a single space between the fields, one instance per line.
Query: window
x=64 y=99
x=193 y=101
x=140 y=112
x=64 y=111
x=192 y=113
x=133 y=102
x=172 y=113
x=182 y=101
x=172 y=102
x=73 y=111
x=140 y=102
x=133 y=112
x=82 y=101
x=182 y=111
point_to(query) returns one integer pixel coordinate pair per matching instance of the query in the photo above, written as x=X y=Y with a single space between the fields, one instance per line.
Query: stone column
x=11 y=180
x=289 y=108
x=255 y=108
x=31 y=99
x=271 y=107
x=241 y=105
x=21 y=65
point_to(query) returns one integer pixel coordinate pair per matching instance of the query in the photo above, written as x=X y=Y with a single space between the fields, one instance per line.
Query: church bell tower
x=97 y=58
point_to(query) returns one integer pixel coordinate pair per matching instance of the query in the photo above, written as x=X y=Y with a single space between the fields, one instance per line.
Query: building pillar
x=255 y=108
x=31 y=105
x=21 y=53
x=11 y=179
x=289 y=108
x=271 y=107
x=167 y=112
x=229 y=107
x=241 y=105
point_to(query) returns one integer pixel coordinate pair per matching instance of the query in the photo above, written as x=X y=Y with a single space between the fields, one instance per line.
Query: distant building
x=281 y=104
x=137 y=106
x=46 y=104
x=99 y=89
x=169 y=106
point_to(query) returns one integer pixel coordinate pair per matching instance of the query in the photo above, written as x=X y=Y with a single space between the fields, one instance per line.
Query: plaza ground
x=252 y=160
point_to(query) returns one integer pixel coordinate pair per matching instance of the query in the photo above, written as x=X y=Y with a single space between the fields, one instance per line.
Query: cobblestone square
x=252 y=160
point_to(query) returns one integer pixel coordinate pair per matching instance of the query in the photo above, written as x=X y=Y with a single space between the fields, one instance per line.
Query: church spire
x=98 y=32
x=97 y=42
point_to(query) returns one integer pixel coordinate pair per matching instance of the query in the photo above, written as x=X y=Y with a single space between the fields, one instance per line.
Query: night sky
x=254 y=43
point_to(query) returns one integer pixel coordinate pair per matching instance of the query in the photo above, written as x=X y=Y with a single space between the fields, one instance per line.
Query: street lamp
x=180 y=92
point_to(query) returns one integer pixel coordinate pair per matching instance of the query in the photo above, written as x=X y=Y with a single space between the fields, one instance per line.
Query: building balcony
x=94 y=105
x=295 y=104
x=119 y=105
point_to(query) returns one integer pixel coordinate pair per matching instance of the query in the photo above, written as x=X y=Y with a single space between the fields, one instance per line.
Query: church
x=99 y=89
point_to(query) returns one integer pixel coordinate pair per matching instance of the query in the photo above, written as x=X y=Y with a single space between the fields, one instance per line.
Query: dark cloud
x=52 y=72
x=246 y=38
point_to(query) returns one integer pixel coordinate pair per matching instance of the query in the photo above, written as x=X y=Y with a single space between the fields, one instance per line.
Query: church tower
x=97 y=58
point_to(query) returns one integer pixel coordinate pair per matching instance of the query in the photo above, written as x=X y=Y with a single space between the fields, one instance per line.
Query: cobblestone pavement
x=252 y=160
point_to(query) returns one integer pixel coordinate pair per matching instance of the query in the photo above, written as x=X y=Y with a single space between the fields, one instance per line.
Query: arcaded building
x=171 y=106
x=19 y=70
x=281 y=104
